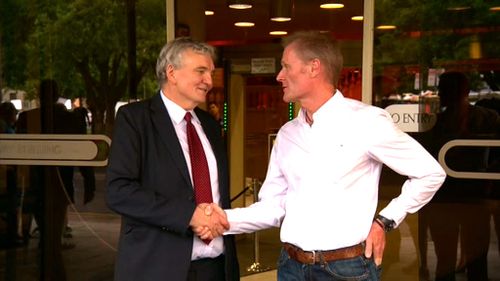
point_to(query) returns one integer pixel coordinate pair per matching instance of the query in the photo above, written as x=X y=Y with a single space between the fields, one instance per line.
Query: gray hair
x=171 y=54
x=311 y=45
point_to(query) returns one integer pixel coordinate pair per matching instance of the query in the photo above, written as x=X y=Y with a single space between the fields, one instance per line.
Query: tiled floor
x=264 y=276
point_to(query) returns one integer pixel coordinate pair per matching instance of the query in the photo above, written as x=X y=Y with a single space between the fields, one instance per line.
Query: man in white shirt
x=322 y=181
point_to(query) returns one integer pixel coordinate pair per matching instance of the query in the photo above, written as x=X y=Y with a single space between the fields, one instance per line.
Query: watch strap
x=387 y=224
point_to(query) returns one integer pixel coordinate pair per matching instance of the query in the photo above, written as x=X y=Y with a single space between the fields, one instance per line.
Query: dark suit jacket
x=148 y=183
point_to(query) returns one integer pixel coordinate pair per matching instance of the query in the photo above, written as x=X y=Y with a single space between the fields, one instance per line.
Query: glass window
x=66 y=66
x=436 y=70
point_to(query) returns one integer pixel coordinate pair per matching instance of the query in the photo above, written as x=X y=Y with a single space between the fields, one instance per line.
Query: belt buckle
x=313 y=257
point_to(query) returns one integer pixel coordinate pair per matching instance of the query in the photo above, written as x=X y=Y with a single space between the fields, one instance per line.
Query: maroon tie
x=199 y=166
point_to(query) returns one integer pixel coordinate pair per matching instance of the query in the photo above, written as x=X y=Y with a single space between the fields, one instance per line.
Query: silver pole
x=256 y=265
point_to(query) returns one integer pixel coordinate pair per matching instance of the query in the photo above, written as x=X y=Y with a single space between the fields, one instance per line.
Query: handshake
x=209 y=221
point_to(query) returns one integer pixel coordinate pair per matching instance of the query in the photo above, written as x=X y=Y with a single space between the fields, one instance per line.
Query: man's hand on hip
x=375 y=243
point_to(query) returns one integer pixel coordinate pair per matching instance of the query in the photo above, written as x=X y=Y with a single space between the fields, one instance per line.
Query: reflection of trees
x=428 y=34
x=83 y=45
x=16 y=23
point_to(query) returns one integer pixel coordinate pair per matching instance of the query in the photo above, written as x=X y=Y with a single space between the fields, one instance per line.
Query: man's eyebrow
x=201 y=68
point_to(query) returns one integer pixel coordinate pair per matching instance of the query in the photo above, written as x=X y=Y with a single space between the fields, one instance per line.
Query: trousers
x=357 y=268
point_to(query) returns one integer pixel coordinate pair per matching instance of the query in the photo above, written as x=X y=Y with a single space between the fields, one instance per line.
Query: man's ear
x=170 y=73
x=314 y=67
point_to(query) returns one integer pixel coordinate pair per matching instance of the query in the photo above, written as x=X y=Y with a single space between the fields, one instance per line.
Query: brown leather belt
x=312 y=257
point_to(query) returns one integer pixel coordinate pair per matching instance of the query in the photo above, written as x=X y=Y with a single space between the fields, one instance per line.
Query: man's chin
x=287 y=99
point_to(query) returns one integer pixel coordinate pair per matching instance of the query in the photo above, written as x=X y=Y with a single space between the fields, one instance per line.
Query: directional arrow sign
x=54 y=150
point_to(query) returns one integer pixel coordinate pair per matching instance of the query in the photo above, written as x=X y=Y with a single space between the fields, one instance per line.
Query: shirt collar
x=326 y=109
x=176 y=112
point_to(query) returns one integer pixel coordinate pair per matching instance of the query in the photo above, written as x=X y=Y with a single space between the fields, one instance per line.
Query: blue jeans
x=358 y=268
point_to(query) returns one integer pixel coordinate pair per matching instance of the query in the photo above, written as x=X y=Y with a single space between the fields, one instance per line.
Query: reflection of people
x=150 y=179
x=83 y=115
x=494 y=166
x=322 y=180
x=182 y=30
x=87 y=172
x=385 y=90
x=459 y=208
x=8 y=116
x=51 y=118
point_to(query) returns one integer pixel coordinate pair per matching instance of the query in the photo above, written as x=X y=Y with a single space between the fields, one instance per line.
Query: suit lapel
x=163 y=124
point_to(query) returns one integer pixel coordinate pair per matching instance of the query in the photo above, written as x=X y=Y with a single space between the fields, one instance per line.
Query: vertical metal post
x=170 y=16
x=256 y=266
x=368 y=39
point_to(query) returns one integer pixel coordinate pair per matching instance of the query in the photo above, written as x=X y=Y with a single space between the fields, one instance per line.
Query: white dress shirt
x=177 y=113
x=322 y=180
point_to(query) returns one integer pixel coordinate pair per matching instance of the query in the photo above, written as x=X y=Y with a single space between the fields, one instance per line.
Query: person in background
x=83 y=114
x=214 y=110
x=87 y=172
x=50 y=118
x=322 y=181
x=494 y=167
x=459 y=211
x=8 y=117
x=161 y=179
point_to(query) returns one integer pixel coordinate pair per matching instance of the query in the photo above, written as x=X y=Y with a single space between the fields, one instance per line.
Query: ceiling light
x=386 y=27
x=281 y=10
x=278 y=32
x=244 y=24
x=357 y=18
x=281 y=19
x=331 y=5
x=209 y=13
x=239 y=4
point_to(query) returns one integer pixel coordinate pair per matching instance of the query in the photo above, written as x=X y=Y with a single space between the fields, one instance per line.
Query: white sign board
x=409 y=118
x=263 y=65
x=54 y=150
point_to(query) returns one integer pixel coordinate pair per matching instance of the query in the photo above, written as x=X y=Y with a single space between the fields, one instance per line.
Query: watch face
x=389 y=227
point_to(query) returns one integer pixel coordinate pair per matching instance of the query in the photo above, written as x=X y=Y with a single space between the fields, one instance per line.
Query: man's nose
x=207 y=78
x=279 y=77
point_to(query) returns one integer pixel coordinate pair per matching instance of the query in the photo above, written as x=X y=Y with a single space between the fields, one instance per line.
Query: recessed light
x=357 y=18
x=244 y=24
x=386 y=27
x=278 y=32
x=209 y=13
x=240 y=6
x=281 y=19
x=331 y=6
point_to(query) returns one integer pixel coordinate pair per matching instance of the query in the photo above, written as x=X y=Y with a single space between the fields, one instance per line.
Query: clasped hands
x=209 y=221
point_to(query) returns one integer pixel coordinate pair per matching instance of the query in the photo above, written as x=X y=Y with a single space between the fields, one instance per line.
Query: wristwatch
x=387 y=224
